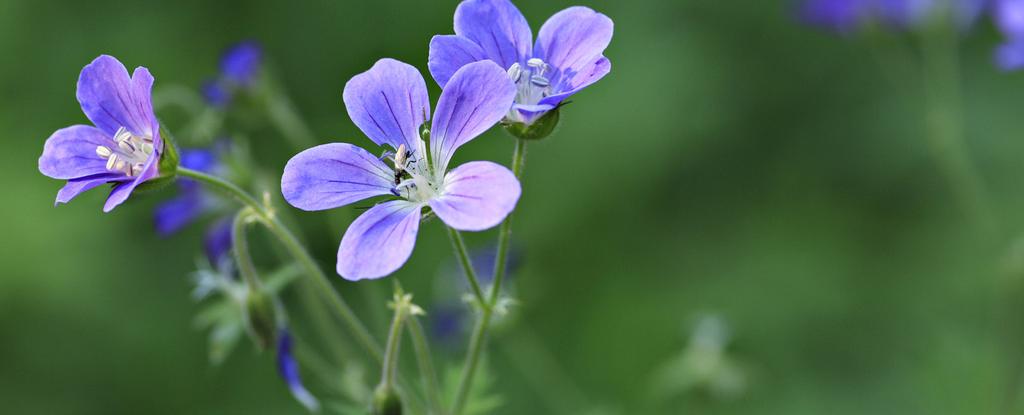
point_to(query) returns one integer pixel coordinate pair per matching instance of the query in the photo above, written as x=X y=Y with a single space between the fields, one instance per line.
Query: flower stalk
x=265 y=216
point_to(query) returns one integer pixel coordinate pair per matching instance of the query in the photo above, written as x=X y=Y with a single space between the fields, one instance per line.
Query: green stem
x=426 y=363
x=944 y=120
x=467 y=266
x=297 y=251
x=479 y=335
x=241 y=249
x=390 y=367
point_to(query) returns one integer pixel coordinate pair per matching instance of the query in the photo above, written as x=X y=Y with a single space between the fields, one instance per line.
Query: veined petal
x=333 y=175
x=477 y=196
x=75 y=187
x=477 y=97
x=111 y=99
x=71 y=153
x=572 y=39
x=497 y=27
x=379 y=241
x=388 y=103
x=570 y=84
x=448 y=53
x=149 y=171
x=530 y=113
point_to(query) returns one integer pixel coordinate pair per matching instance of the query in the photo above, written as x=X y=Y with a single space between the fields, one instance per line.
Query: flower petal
x=379 y=241
x=75 y=187
x=1010 y=56
x=172 y=215
x=149 y=171
x=241 y=62
x=333 y=175
x=288 y=369
x=570 y=84
x=71 y=153
x=111 y=99
x=389 y=103
x=572 y=40
x=478 y=96
x=497 y=27
x=448 y=53
x=477 y=196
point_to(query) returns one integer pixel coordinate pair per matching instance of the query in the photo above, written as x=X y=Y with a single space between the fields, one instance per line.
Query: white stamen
x=103 y=152
x=111 y=161
x=130 y=154
x=531 y=84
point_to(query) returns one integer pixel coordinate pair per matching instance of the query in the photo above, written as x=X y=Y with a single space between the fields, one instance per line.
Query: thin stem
x=426 y=363
x=390 y=367
x=297 y=251
x=944 y=119
x=241 y=249
x=479 y=335
x=467 y=266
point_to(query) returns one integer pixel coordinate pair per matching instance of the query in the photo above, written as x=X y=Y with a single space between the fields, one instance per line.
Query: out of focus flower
x=389 y=104
x=1009 y=18
x=704 y=365
x=288 y=368
x=449 y=314
x=567 y=57
x=124 y=147
x=845 y=16
x=192 y=201
x=240 y=66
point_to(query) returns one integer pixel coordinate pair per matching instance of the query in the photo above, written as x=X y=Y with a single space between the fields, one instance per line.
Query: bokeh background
x=735 y=163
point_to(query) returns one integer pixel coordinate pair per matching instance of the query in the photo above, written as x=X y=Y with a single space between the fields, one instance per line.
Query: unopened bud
x=385 y=401
x=260 y=319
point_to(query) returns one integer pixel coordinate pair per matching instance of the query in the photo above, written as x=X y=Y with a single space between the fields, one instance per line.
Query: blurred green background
x=733 y=163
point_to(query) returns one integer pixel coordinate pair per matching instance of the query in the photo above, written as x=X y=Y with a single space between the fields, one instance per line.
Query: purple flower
x=846 y=16
x=218 y=242
x=843 y=16
x=288 y=369
x=567 y=57
x=172 y=215
x=123 y=148
x=449 y=315
x=1009 y=18
x=389 y=104
x=215 y=94
x=241 y=62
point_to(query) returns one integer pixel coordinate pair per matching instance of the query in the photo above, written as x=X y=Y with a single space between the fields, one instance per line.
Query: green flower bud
x=539 y=129
x=260 y=319
x=385 y=401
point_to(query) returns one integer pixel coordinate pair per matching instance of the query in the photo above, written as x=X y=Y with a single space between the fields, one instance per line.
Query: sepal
x=537 y=130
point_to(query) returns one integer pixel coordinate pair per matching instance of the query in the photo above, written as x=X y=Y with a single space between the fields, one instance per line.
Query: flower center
x=413 y=180
x=531 y=84
x=129 y=155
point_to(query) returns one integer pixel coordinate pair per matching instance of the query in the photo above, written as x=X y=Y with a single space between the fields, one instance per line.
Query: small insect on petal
x=401 y=157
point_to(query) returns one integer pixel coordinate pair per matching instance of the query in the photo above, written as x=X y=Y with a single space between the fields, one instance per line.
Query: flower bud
x=385 y=401
x=260 y=319
x=537 y=130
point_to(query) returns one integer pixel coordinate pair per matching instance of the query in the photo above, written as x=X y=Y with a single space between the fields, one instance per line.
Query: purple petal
x=1009 y=17
x=842 y=16
x=497 y=27
x=75 y=187
x=572 y=83
x=241 y=62
x=389 y=103
x=219 y=241
x=71 y=153
x=477 y=196
x=571 y=40
x=214 y=93
x=288 y=369
x=379 y=241
x=333 y=175
x=449 y=53
x=172 y=215
x=1010 y=56
x=112 y=100
x=477 y=97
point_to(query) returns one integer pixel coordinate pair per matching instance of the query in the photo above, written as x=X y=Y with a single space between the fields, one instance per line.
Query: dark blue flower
x=241 y=63
x=192 y=201
x=215 y=94
x=1009 y=18
x=288 y=369
x=123 y=148
x=567 y=57
x=218 y=242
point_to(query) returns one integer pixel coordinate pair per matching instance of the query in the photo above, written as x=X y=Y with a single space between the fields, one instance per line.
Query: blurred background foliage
x=734 y=163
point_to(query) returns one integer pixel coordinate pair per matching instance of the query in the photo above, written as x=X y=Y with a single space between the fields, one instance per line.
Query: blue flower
x=215 y=94
x=172 y=215
x=288 y=369
x=241 y=63
x=123 y=148
x=846 y=16
x=1009 y=18
x=389 y=104
x=567 y=57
